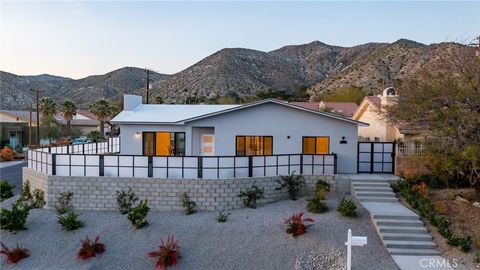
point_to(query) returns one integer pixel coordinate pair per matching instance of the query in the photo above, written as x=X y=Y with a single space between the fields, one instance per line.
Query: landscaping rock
x=461 y=199
x=476 y=204
x=331 y=259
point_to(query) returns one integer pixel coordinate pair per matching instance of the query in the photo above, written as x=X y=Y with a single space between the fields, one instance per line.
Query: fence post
x=199 y=167
x=101 y=167
x=54 y=164
x=150 y=166
x=96 y=147
x=108 y=145
x=250 y=166
x=301 y=164
x=68 y=149
x=83 y=148
x=49 y=149
x=334 y=163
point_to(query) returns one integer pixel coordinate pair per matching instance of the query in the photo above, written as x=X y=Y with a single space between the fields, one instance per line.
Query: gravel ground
x=251 y=239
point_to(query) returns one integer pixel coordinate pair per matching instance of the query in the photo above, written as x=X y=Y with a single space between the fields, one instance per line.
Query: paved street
x=13 y=174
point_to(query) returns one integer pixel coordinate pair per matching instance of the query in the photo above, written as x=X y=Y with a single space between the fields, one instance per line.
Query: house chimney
x=131 y=102
x=388 y=97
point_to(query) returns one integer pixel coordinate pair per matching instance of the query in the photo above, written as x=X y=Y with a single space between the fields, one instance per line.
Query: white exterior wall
x=264 y=120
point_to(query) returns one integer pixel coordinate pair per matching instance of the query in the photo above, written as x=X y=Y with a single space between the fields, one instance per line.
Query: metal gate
x=376 y=157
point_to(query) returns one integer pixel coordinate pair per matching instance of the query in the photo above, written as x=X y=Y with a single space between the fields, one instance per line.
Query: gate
x=376 y=157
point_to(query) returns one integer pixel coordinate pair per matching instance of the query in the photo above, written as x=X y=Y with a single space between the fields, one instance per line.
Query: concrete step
x=374 y=194
x=410 y=244
x=406 y=237
x=366 y=180
x=377 y=199
x=399 y=222
x=372 y=189
x=409 y=230
x=385 y=216
x=411 y=251
x=384 y=185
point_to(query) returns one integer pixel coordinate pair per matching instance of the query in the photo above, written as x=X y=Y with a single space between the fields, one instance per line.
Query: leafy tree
x=69 y=110
x=48 y=107
x=300 y=93
x=227 y=100
x=158 y=99
x=443 y=100
x=49 y=127
x=103 y=110
x=345 y=94
x=96 y=136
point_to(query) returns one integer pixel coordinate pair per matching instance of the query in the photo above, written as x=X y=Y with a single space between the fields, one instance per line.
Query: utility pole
x=148 y=83
x=38 y=115
x=30 y=126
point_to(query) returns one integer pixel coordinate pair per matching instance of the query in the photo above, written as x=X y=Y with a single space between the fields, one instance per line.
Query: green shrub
x=347 y=207
x=293 y=183
x=189 y=205
x=63 y=204
x=14 y=220
x=316 y=204
x=5 y=190
x=38 y=199
x=70 y=221
x=26 y=194
x=465 y=243
x=477 y=257
x=251 y=195
x=125 y=200
x=321 y=184
x=138 y=215
x=222 y=216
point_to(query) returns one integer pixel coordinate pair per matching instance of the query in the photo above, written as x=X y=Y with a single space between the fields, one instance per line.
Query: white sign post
x=353 y=241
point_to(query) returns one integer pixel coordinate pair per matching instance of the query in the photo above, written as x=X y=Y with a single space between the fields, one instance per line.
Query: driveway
x=12 y=172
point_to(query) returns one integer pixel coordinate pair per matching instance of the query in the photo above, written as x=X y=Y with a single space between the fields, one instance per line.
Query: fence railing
x=192 y=167
x=409 y=148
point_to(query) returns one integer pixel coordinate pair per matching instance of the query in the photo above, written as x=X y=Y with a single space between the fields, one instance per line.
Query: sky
x=77 y=39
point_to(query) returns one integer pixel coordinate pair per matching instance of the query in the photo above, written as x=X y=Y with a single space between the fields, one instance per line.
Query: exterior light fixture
x=343 y=141
x=137 y=134
x=288 y=137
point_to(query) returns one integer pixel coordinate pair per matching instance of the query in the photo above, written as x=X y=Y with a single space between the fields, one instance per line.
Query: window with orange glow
x=316 y=145
x=163 y=143
x=254 y=145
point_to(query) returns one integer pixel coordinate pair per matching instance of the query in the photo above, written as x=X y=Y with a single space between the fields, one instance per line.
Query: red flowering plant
x=167 y=255
x=89 y=248
x=15 y=254
x=295 y=224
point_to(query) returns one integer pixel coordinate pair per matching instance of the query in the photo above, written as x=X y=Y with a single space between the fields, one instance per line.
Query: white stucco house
x=263 y=128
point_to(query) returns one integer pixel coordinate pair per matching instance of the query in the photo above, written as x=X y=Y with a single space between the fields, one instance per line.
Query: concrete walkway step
x=406 y=237
x=377 y=199
x=375 y=194
x=399 y=222
x=409 y=230
x=374 y=189
x=402 y=217
x=410 y=244
x=384 y=185
x=367 y=180
x=411 y=251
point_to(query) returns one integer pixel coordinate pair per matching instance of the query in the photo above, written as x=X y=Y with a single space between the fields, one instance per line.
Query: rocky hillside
x=16 y=94
x=243 y=73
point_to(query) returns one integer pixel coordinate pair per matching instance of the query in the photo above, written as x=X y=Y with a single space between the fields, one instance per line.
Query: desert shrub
x=251 y=195
x=5 y=190
x=189 y=205
x=125 y=200
x=347 y=207
x=7 y=154
x=292 y=182
x=15 y=254
x=167 y=254
x=38 y=199
x=96 y=136
x=14 y=220
x=26 y=194
x=222 y=216
x=70 y=221
x=477 y=257
x=295 y=224
x=64 y=203
x=465 y=243
x=90 y=249
x=322 y=185
x=440 y=207
x=316 y=204
x=138 y=214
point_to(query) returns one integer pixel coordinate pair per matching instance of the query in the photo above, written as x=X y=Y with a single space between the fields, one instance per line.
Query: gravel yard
x=251 y=239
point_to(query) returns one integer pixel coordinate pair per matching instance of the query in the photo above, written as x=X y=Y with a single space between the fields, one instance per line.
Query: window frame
x=245 y=145
x=175 y=136
x=315 y=145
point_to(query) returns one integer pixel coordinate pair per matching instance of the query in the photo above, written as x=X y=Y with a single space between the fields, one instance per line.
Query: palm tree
x=69 y=110
x=103 y=110
x=48 y=110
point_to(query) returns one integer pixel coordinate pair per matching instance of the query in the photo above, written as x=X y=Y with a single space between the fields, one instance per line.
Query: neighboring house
x=346 y=109
x=14 y=128
x=372 y=111
x=266 y=127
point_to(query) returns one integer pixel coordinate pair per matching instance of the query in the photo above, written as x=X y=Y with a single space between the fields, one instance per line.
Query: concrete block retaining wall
x=98 y=193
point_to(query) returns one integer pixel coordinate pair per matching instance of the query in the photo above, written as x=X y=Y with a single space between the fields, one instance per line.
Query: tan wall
x=378 y=127
x=410 y=165
x=98 y=193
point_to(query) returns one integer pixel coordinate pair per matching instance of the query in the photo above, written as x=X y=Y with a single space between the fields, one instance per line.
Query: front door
x=207 y=145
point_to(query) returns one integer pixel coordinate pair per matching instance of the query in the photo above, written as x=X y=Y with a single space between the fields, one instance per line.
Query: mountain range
x=241 y=73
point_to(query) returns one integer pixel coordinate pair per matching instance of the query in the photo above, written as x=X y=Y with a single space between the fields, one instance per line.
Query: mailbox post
x=353 y=241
